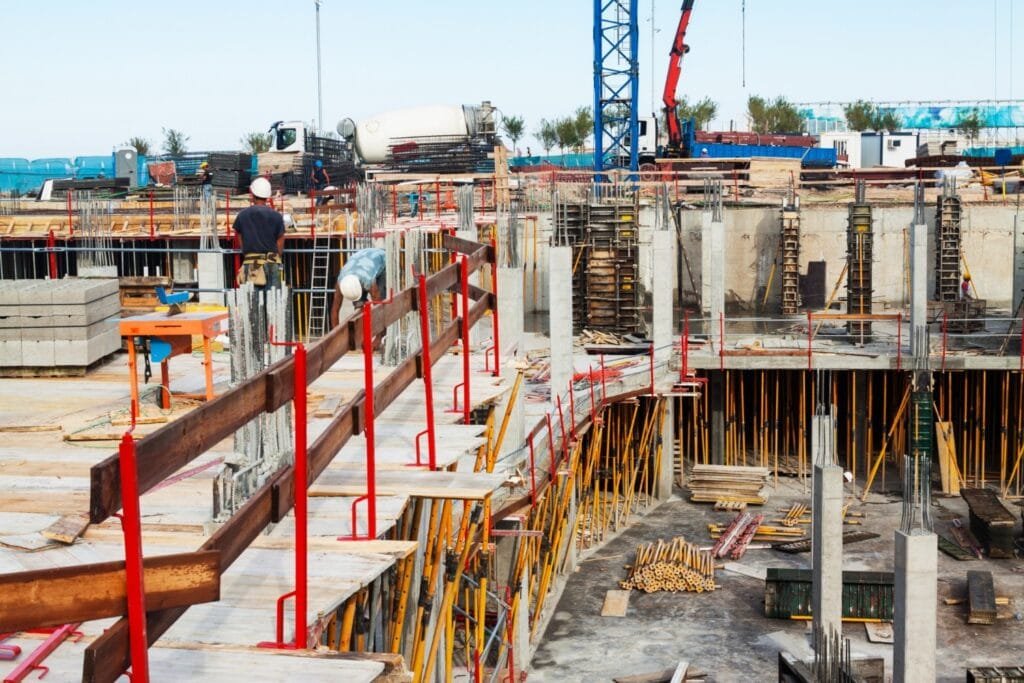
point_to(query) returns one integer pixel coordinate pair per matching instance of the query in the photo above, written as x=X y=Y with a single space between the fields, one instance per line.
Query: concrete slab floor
x=724 y=633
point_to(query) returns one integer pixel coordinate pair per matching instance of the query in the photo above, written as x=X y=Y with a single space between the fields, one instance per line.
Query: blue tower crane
x=616 y=84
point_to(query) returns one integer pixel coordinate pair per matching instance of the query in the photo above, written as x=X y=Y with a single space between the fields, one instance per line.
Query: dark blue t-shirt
x=260 y=227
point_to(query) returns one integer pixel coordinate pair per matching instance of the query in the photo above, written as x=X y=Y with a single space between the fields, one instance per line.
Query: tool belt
x=254 y=268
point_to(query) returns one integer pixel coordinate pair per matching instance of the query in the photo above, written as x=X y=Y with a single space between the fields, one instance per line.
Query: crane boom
x=675 y=66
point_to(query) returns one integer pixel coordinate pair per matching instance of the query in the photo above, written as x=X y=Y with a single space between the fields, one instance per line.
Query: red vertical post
x=593 y=400
x=494 y=311
x=533 y=472
x=419 y=200
x=428 y=383
x=684 y=348
x=134 y=579
x=301 y=510
x=371 y=455
x=71 y=221
x=561 y=423
x=551 y=445
x=152 y=220
x=394 y=202
x=437 y=198
x=810 y=338
x=51 y=246
x=464 y=277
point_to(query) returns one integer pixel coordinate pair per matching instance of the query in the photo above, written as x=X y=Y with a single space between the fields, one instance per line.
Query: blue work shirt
x=369 y=266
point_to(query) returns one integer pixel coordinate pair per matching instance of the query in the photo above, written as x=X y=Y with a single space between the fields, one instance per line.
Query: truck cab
x=288 y=136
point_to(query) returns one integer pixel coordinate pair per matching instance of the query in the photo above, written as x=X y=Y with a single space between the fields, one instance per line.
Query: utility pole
x=319 y=79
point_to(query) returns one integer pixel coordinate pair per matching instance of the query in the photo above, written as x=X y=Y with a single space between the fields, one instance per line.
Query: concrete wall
x=989 y=244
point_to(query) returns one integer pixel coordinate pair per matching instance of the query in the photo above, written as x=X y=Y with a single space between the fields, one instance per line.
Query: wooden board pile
x=991 y=522
x=714 y=483
x=674 y=566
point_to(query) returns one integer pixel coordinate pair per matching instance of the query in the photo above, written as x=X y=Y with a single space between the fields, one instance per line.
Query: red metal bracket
x=371 y=457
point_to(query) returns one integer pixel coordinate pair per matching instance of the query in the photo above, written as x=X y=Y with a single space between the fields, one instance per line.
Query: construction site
x=727 y=409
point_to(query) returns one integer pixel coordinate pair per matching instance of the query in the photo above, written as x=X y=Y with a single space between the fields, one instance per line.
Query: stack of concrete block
x=69 y=323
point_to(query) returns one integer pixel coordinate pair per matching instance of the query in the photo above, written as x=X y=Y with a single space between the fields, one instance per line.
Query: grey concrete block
x=10 y=353
x=37 y=354
x=87 y=351
x=72 y=333
x=83 y=290
x=10 y=334
x=60 y=315
x=9 y=292
x=36 y=292
x=38 y=333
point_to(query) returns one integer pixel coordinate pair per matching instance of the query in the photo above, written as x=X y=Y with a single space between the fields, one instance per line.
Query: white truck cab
x=288 y=136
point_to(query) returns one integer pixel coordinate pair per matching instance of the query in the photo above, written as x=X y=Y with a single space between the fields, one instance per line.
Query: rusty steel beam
x=61 y=595
x=108 y=657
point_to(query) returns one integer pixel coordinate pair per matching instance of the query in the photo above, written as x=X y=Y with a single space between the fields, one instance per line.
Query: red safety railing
x=301 y=591
x=131 y=524
x=428 y=382
x=368 y=429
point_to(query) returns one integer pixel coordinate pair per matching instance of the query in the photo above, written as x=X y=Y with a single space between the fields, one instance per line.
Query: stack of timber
x=57 y=326
x=714 y=483
x=231 y=170
x=995 y=674
x=138 y=293
x=612 y=270
x=991 y=522
x=981 y=598
x=673 y=566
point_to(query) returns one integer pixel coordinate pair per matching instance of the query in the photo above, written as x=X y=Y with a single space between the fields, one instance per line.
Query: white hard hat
x=351 y=287
x=261 y=188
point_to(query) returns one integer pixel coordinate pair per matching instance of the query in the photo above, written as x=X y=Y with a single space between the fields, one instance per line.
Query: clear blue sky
x=81 y=77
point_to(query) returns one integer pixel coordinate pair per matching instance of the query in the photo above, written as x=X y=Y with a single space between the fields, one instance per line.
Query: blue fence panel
x=89 y=167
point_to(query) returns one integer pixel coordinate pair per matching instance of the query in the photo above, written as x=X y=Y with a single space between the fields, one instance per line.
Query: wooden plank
x=981 y=598
x=680 y=673
x=51 y=597
x=67 y=528
x=879 y=632
x=615 y=603
x=329 y=406
x=23 y=429
x=945 y=449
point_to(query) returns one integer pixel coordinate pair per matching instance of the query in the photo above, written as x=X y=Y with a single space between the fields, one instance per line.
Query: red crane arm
x=675 y=66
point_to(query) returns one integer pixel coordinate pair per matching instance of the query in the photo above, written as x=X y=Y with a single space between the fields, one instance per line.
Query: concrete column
x=705 y=262
x=823 y=447
x=918 y=287
x=560 y=298
x=716 y=306
x=913 y=656
x=663 y=279
x=510 y=314
x=1018 y=261
x=827 y=547
x=716 y=399
x=521 y=631
x=211 y=276
x=668 y=450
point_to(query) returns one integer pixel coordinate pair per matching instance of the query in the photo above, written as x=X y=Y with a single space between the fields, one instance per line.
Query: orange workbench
x=177 y=330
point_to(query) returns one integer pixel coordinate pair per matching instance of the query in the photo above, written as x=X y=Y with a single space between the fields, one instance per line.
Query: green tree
x=175 y=142
x=860 y=115
x=773 y=116
x=513 y=127
x=547 y=135
x=256 y=142
x=863 y=115
x=583 y=121
x=970 y=125
x=141 y=145
x=702 y=112
x=566 y=134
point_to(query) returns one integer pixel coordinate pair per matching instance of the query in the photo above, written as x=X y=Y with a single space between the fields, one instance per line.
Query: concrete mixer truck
x=435 y=139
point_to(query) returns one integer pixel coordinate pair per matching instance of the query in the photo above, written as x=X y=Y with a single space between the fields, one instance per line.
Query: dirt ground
x=725 y=633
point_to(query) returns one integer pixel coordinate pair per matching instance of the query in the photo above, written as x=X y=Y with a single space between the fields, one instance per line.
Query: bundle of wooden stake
x=673 y=566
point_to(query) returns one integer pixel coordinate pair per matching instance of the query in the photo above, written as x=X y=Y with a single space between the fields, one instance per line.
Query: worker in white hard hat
x=363 y=277
x=262 y=232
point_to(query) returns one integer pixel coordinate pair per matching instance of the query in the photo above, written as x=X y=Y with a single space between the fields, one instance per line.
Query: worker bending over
x=262 y=232
x=362 y=277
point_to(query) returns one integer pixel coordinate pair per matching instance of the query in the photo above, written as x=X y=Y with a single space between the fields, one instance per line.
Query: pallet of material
x=866 y=595
x=713 y=483
x=995 y=674
x=138 y=294
x=991 y=522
